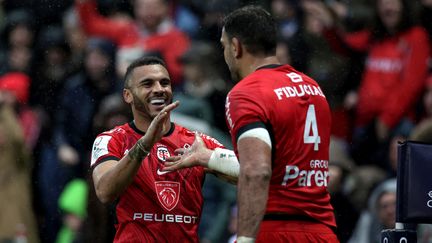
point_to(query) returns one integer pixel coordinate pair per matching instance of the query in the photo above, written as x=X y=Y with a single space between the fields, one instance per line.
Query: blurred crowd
x=61 y=77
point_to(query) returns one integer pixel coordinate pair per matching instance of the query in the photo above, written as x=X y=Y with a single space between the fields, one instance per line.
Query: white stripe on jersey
x=260 y=133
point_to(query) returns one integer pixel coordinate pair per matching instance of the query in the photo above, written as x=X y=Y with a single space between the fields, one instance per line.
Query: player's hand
x=197 y=154
x=158 y=126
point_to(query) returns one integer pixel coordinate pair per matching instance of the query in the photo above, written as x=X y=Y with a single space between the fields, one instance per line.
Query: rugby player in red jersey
x=151 y=205
x=279 y=121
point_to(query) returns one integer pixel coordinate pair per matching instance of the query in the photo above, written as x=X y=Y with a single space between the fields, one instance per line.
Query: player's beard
x=143 y=108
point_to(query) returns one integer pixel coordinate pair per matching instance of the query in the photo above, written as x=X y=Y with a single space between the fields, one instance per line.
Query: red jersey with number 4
x=157 y=206
x=293 y=108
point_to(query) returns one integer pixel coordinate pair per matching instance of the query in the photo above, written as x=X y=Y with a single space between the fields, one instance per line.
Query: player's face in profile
x=229 y=55
x=150 y=89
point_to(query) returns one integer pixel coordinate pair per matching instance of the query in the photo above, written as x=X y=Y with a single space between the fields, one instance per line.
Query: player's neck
x=143 y=123
x=253 y=63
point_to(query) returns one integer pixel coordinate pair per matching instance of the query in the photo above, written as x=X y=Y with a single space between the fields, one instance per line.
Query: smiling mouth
x=158 y=102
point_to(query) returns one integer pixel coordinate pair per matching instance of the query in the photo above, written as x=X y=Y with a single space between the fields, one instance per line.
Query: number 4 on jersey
x=311 y=128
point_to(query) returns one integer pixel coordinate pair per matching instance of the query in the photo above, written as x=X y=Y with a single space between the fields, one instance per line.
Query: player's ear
x=237 y=47
x=127 y=96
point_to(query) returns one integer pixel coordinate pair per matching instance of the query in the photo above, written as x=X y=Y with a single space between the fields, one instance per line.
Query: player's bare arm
x=112 y=177
x=253 y=184
x=221 y=162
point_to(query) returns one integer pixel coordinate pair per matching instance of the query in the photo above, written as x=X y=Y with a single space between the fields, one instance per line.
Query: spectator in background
x=204 y=90
x=360 y=183
x=354 y=14
x=49 y=71
x=80 y=99
x=63 y=157
x=124 y=57
x=185 y=16
x=73 y=205
x=340 y=167
x=288 y=16
x=396 y=66
x=292 y=49
x=152 y=30
x=321 y=62
x=19 y=85
x=381 y=214
x=112 y=111
x=16 y=218
x=75 y=38
x=17 y=41
x=212 y=13
x=202 y=98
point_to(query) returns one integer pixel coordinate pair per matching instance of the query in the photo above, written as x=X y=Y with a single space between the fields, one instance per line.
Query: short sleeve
x=105 y=147
x=244 y=111
x=211 y=142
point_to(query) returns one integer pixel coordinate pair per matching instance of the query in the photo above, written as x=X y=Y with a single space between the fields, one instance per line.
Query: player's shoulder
x=187 y=133
x=210 y=139
x=120 y=130
x=179 y=129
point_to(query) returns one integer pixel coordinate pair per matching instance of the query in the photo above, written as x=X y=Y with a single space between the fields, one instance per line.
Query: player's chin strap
x=245 y=239
x=224 y=161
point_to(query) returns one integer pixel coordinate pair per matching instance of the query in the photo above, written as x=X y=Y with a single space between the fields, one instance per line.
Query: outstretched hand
x=158 y=126
x=197 y=154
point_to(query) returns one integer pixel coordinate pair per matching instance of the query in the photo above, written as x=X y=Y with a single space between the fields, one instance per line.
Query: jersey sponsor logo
x=100 y=147
x=305 y=178
x=168 y=193
x=162 y=153
x=162 y=172
x=169 y=218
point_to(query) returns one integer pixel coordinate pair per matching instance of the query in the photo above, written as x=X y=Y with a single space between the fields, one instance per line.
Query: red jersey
x=294 y=110
x=395 y=67
x=394 y=74
x=157 y=206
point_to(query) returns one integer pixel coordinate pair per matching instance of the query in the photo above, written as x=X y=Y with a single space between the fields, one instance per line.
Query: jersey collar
x=133 y=126
x=269 y=66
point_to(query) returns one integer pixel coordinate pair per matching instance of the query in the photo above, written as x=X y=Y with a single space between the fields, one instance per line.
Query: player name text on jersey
x=298 y=91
